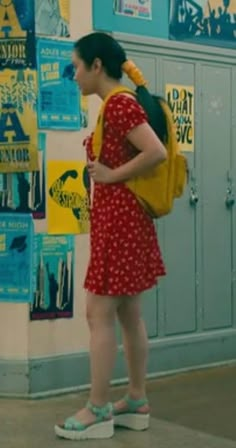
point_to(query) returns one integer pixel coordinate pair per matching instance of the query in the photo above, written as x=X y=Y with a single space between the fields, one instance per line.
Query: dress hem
x=125 y=293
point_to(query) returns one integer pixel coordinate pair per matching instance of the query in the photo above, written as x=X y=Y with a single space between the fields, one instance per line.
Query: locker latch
x=230 y=198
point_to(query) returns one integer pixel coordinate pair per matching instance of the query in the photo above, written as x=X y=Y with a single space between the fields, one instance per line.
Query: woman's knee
x=100 y=310
x=129 y=312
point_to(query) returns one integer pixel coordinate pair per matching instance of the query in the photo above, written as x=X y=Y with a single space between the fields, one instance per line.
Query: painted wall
x=189 y=21
x=105 y=19
x=19 y=338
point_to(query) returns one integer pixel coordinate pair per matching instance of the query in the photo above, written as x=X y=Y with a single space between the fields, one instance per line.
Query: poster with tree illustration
x=26 y=192
x=18 y=121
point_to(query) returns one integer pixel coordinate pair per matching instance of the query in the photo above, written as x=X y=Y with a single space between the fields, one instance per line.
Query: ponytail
x=150 y=103
x=134 y=73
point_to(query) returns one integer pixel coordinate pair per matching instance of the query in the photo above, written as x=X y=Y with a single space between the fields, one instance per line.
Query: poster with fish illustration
x=68 y=197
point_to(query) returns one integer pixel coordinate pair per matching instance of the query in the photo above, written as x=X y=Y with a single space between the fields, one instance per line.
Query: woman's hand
x=100 y=173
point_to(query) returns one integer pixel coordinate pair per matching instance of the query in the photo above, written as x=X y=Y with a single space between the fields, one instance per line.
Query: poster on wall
x=139 y=9
x=52 y=17
x=16 y=258
x=53 y=277
x=25 y=192
x=204 y=21
x=18 y=121
x=68 y=197
x=59 y=97
x=17 y=34
x=84 y=111
x=181 y=102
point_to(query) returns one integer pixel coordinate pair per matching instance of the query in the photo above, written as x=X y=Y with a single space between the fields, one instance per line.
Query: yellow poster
x=84 y=111
x=181 y=102
x=65 y=10
x=18 y=121
x=68 y=197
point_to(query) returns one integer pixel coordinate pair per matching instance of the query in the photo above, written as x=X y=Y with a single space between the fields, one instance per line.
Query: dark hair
x=112 y=55
x=104 y=47
x=156 y=115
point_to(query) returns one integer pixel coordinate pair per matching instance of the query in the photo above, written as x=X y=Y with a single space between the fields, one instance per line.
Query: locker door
x=216 y=178
x=179 y=287
x=233 y=156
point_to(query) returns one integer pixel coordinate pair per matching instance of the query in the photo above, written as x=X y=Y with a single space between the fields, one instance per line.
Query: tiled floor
x=196 y=410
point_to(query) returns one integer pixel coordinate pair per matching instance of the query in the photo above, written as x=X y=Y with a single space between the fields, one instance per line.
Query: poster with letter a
x=25 y=192
x=17 y=34
x=18 y=121
x=68 y=197
x=53 y=277
x=139 y=9
x=52 y=17
x=181 y=102
x=59 y=98
x=16 y=258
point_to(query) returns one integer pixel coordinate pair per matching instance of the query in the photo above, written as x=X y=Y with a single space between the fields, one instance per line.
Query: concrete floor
x=196 y=410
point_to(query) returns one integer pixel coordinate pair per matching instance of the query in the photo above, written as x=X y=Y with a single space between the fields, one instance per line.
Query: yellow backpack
x=161 y=185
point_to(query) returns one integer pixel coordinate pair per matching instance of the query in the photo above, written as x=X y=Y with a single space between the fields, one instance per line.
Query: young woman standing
x=125 y=255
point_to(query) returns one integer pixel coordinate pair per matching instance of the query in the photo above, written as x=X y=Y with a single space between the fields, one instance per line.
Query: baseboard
x=14 y=378
x=68 y=373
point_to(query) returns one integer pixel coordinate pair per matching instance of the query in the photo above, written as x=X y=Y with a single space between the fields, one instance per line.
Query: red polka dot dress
x=125 y=255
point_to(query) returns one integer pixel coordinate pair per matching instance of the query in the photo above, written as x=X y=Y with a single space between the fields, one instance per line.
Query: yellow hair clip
x=134 y=73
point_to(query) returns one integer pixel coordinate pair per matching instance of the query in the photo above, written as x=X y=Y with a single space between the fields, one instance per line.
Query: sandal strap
x=134 y=405
x=71 y=424
x=102 y=413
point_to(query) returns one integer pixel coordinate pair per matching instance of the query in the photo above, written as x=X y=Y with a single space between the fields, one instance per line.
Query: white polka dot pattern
x=125 y=255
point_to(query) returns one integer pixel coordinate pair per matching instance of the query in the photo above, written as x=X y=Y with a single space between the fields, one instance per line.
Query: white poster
x=139 y=9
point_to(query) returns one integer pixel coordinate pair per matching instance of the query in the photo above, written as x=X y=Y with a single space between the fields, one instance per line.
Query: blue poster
x=26 y=192
x=17 y=34
x=59 y=97
x=209 y=22
x=53 y=282
x=16 y=258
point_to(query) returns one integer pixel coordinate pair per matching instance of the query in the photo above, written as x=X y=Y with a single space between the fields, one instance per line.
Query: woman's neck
x=107 y=87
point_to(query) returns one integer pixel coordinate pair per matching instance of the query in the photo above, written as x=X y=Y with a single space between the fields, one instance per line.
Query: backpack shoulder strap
x=98 y=133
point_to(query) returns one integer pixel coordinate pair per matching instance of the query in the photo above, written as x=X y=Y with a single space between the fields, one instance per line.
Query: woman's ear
x=97 y=65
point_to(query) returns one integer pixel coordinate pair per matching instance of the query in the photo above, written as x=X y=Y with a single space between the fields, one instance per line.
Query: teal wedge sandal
x=131 y=418
x=102 y=428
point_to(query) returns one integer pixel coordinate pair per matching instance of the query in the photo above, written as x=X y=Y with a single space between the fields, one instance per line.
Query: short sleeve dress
x=125 y=257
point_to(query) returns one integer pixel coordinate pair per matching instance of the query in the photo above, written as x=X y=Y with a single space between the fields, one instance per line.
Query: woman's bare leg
x=101 y=316
x=136 y=347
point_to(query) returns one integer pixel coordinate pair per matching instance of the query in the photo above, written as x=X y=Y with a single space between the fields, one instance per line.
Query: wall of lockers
x=191 y=317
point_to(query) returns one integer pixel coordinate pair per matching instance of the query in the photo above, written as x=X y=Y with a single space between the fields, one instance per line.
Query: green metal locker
x=191 y=317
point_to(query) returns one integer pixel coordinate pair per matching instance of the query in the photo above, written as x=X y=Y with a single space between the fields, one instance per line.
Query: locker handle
x=193 y=197
x=230 y=199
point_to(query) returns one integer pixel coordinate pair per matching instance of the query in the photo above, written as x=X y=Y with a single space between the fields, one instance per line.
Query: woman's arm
x=151 y=153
